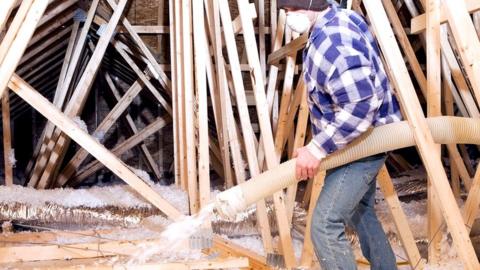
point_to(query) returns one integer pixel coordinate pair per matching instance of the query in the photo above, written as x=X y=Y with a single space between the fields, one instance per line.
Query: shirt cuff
x=316 y=150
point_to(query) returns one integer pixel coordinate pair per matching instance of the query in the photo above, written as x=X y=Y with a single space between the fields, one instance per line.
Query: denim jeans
x=348 y=198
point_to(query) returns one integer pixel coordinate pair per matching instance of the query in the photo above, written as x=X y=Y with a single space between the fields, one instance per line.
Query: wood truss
x=235 y=98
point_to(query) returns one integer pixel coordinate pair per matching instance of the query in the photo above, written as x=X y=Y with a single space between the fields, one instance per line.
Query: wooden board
x=426 y=146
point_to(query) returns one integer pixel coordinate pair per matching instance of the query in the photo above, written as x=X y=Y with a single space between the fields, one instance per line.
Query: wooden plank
x=189 y=106
x=455 y=158
x=422 y=135
x=52 y=29
x=68 y=56
x=418 y=23
x=173 y=61
x=68 y=126
x=244 y=117
x=92 y=264
x=131 y=123
x=151 y=29
x=61 y=95
x=400 y=219
x=200 y=43
x=266 y=131
x=13 y=28
x=77 y=101
x=406 y=46
x=55 y=10
x=280 y=134
x=118 y=150
x=458 y=77
x=466 y=39
x=300 y=101
x=292 y=47
x=434 y=108
x=80 y=156
x=120 y=47
x=306 y=258
x=274 y=16
x=447 y=77
x=6 y=8
x=159 y=73
x=10 y=61
x=273 y=70
x=449 y=110
x=472 y=203
x=181 y=103
x=221 y=99
x=227 y=247
x=261 y=37
x=7 y=139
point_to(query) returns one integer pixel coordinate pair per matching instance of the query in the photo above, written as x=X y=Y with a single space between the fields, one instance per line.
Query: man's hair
x=314 y=5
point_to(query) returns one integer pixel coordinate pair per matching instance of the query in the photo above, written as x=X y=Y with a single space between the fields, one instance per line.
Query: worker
x=348 y=92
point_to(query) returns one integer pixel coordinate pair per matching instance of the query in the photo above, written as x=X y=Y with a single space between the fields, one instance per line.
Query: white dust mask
x=298 y=22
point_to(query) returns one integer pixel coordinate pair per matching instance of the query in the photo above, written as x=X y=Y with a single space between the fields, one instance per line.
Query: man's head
x=302 y=14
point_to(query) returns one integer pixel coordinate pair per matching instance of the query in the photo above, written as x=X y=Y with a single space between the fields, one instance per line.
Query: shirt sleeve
x=351 y=87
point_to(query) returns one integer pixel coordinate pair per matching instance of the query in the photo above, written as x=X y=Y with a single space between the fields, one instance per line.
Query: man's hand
x=307 y=164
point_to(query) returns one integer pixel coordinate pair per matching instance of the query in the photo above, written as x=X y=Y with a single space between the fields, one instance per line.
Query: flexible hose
x=445 y=130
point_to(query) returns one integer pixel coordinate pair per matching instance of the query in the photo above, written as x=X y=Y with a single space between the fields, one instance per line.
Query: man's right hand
x=307 y=164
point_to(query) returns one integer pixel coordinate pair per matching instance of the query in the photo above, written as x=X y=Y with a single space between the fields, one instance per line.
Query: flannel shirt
x=348 y=90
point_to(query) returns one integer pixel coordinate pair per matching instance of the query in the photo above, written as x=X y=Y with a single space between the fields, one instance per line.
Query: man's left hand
x=307 y=164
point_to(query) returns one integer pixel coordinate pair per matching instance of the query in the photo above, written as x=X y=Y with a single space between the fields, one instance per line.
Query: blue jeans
x=348 y=197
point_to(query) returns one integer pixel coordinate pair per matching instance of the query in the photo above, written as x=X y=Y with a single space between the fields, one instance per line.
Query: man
x=348 y=92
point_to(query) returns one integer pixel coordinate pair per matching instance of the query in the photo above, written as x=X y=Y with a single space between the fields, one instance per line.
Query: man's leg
x=374 y=243
x=344 y=188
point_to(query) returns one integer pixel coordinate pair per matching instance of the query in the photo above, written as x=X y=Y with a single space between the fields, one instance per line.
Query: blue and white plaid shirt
x=348 y=90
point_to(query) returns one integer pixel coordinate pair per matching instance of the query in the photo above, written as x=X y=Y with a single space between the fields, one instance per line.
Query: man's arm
x=351 y=86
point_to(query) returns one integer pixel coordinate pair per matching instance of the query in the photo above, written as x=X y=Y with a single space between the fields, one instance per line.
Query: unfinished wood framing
x=234 y=91
x=428 y=150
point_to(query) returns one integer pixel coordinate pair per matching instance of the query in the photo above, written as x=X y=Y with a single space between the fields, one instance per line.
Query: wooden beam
x=426 y=146
x=159 y=73
x=151 y=29
x=13 y=28
x=226 y=124
x=434 y=108
x=7 y=140
x=227 y=247
x=15 y=51
x=6 y=8
x=60 y=96
x=30 y=57
x=458 y=77
x=112 y=117
x=78 y=99
x=118 y=150
x=68 y=126
x=418 y=23
x=189 y=105
x=406 y=46
x=120 y=47
x=306 y=258
x=400 y=219
x=266 y=131
x=92 y=264
x=292 y=47
x=52 y=29
x=244 y=117
x=131 y=123
x=200 y=43
x=57 y=9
